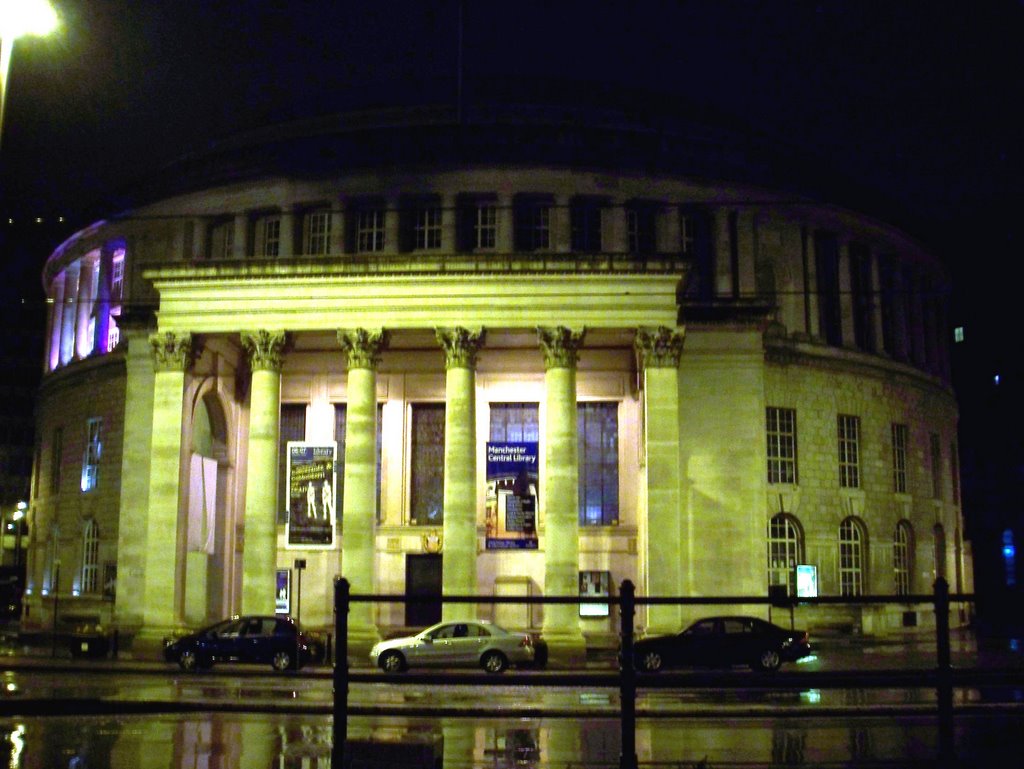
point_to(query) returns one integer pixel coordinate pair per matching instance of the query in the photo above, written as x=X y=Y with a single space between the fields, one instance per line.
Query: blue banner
x=512 y=481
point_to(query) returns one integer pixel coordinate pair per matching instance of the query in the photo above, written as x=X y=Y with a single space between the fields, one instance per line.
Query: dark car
x=722 y=642
x=274 y=641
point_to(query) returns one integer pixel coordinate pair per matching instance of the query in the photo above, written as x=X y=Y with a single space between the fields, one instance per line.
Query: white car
x=447 y=644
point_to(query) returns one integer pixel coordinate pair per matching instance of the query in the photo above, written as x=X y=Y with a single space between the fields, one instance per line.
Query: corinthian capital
x=171 y=352
x=264 y=349
x=460 y=346
x=561 y=346
x=658 y=347
x=363 y=346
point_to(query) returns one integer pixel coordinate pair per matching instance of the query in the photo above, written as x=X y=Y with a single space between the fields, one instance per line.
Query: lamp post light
x=17 y=19
x=19 y=514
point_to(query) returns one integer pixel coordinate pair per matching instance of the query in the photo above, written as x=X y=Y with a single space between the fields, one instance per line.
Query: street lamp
x=19 y=513
x=24 y=17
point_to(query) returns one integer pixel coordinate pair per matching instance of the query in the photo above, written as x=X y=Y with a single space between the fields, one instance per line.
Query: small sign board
x=806 y=580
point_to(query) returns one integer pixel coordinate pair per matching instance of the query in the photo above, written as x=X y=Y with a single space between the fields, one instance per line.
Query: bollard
x=944 y=674
x=340 y=677
x=627 y=677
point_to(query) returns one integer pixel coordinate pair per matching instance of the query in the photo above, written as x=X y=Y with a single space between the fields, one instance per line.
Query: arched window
x=785 y=551
x=90 y=556
x=852 y=540
x=1009 y=558
x=902 y=554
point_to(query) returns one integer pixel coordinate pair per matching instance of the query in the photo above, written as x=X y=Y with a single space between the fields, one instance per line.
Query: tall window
x=427 y=228
x=340 y=430
x=851 y=557
x=849 y=451
x=222 y=240
x=515 y=422
x=533 y=224
x=899 y=458
x=640 y=228
x=936 y=461
x=369 y=230
x=597 y=431
x=485 y=226
x=93 y=449
x=427 y=470
x=90 y=556
x=292 y=428
x=585 y=225
x=826 y=262
x=781 y=429
x=954 y=471
x=56 y=459
x=687 y=234
x=902 y=550
x=317 y=232
x=862 y=296
x=785 y=551
x=268 y=235
x=117 y=275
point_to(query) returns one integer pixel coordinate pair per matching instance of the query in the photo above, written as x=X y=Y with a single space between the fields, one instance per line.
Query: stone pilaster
x=259 y=558
x=172 y=355
x=659 y=351
x=362 y=348
x=560 y=494
x=460 y=482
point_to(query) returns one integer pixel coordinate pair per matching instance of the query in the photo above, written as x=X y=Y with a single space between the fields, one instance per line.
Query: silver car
x=472 y=643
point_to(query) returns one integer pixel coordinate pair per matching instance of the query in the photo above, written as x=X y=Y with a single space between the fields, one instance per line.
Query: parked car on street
x=445 y=644
x=276 y=641
x=722 y=642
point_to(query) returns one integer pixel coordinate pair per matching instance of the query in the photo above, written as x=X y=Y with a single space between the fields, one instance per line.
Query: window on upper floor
x=781 y=432
x=90 y=557
x=93 y=450
x=597 y=435
x=848 y=431
x=514 y=422
x=369 y=228
x=902 y=553
x=641 y=223
x=316 y=232
x=585 y=225
x=532 y=223
x=899 y=457
x=426 y=226
x=785 y=551
x=292 y=427
x=852 y=548
x=268 y=235
x=826 y=264
x=477 y=220
x=427 y=464
x=117 y=275
x=862 y=296
x=222 y=239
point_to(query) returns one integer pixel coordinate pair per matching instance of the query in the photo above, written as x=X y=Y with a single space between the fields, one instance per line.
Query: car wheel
x=768 y=660
x=188 y=661
x=494 y=662
x=650 y=662
x=391 y=662
x=281 y=661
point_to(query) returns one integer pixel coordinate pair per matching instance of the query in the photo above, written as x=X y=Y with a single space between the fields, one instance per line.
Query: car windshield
x=702 y=627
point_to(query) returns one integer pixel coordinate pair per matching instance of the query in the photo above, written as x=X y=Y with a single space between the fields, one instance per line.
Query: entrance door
x=423 y=577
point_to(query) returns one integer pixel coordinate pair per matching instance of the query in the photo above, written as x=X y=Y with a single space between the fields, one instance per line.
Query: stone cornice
x=264 y=349
x=561 y=346
x=460 y=345
x=171 y=351
x=659 y=347
x=363 y=346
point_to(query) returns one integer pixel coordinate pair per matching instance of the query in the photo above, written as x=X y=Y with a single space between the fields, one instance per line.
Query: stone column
x=460 y=482
x=56 y=323
x=286 y=241
x=135 y=474
x=505 y=243
x=359 y=508
x=449 y=224
x=240 y=236
x=101 y=336
x=173 y=355
x=259 y=558
x=83 y=341
x=69 y=313
x=659 y=350
x=560 y=494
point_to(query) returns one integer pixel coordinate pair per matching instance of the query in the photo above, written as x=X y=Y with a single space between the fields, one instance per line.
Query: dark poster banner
x=512 y=482
x=311 y=494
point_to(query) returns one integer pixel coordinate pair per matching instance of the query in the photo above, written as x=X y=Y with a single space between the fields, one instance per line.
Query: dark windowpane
x=293 y=428
x=515 y=422
x=427 y=463
x=340 y=428
x=826 y=262
x=598 y=439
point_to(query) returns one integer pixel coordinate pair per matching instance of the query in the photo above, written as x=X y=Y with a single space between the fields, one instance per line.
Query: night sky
x=919 y=101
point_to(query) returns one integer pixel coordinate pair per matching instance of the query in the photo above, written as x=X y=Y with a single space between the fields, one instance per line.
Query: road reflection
x=268 y=741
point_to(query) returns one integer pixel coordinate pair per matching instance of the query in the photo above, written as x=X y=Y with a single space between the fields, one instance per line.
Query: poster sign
x=283 y=601
x=595 y=584
x=311 y=493
x=806 y=580
x=512 y=482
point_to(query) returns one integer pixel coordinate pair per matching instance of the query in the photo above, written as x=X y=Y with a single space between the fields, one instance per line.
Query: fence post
x=627 y=677
x=340 y=678
x=944 y=674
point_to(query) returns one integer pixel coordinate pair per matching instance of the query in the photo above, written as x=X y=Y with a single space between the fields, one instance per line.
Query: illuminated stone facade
x=724 y=380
